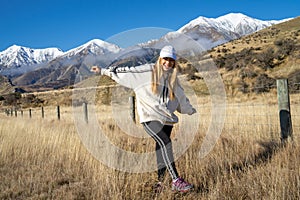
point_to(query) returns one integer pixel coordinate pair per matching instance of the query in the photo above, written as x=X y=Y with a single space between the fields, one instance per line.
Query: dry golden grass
x=45 y=159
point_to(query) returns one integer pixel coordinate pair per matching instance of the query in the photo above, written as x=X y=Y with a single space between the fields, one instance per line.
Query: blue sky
x=67 y=24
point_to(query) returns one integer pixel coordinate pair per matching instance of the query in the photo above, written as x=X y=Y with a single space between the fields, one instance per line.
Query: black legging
x=164 y=153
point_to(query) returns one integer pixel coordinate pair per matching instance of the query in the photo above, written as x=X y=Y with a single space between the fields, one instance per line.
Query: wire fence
x=257 y=115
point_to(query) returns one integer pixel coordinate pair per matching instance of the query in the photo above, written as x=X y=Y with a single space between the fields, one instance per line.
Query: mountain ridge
x=14 y=57
x=228 y=23
x=61 y=69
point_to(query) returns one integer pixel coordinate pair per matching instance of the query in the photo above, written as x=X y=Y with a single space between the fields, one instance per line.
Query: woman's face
x=167 y=63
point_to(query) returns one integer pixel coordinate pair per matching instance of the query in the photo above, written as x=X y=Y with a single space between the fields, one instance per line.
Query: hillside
x=256 y=60
x=5 y=85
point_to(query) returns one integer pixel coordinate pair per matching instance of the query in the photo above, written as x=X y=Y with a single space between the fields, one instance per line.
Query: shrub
x=12 y=98
x=263 y=83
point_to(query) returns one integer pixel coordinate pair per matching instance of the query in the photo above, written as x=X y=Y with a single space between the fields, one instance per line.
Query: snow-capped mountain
x=64 y=69
x=16 y=57
x=232 y=22
x=19 y=60
x=57 y=67
x=93 y=47
x=210 y=32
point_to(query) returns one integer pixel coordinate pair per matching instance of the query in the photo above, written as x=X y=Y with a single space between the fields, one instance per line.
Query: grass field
x=45 y=159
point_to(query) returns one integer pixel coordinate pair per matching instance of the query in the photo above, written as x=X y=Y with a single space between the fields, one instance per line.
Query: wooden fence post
x=30 y=113
x=43 y=112
x=85 y=111
x=284 y=109
x=7 y=111
x=132 y=108
x=58 y=113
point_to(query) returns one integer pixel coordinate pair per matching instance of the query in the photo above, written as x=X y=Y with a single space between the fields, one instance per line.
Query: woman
x=158 y=96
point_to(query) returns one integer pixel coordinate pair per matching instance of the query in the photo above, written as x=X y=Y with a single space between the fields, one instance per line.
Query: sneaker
x=158 y=187
x=181 y=185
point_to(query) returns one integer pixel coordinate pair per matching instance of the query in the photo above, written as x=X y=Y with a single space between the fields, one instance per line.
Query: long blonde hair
x=157 y=74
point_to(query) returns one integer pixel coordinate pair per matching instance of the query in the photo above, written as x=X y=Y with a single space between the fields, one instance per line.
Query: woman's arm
x=130 y=77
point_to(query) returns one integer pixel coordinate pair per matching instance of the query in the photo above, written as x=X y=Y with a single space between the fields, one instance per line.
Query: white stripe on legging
x=164 y=151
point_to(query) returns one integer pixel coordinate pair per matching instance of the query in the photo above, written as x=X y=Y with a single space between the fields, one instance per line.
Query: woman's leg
x=164 y=153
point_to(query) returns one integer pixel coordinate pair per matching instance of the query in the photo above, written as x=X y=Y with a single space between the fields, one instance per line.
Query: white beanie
x=168 y=52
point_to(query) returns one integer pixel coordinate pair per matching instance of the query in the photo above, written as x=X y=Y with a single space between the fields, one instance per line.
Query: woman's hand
x=96 y=69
